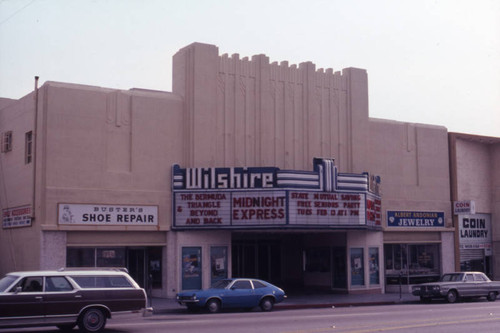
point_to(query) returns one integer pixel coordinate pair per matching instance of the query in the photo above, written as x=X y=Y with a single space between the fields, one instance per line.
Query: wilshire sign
x=269 y=197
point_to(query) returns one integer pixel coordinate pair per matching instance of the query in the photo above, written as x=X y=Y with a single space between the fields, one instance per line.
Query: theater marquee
x=270 y=197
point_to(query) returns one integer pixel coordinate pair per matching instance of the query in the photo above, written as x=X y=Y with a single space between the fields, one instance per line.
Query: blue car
x=233 y=293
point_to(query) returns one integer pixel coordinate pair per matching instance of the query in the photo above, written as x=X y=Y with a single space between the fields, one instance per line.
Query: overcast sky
x=428 y=61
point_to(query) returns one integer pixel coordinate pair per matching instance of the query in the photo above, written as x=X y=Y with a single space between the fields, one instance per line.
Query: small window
x=258 y=284
x=469 y=278
x=102 y=281
x=28 y=156
x=57 y=283
x=7 y=141
x=480 y=277
x=242 y=284
x=30 y=284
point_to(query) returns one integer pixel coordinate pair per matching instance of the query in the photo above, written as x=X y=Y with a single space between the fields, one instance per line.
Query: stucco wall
x=413 y=162
x=19 y=247
x=250 y=112
x=109 y=147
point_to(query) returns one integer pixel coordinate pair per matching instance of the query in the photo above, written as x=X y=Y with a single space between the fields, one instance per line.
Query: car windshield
x=222 y=284
x=452 y=277
x=6 y=281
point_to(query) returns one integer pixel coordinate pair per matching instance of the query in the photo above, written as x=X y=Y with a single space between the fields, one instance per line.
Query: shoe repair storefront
x=127 y=237
x=297 y=229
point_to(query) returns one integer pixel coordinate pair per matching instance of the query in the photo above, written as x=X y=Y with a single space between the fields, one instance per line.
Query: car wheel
x=92 y=320
x=492 y=296
x=213 y=306
x=425 y=299
x=451 y=296
x=66 y=327
x=267 y=304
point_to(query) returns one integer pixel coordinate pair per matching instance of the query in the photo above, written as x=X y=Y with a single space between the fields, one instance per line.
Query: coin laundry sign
x=475 y=231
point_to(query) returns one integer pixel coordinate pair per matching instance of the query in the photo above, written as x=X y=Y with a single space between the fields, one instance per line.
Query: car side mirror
x=18 y=289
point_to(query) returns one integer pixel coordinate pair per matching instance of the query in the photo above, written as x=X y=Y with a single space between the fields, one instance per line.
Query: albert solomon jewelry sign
x=415 y=219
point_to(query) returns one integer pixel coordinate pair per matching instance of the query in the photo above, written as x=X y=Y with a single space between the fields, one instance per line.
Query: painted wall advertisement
x=16 y=217
x=414 y=219
x=475 y=231
x=107 y=214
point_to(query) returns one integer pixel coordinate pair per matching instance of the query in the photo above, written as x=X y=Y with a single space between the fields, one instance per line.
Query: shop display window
x=411 y=263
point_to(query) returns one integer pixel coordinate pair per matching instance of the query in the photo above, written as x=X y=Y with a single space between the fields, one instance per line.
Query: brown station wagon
x=67 y=298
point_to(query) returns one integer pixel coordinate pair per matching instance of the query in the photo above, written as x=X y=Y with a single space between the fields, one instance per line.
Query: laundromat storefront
x=317 y=228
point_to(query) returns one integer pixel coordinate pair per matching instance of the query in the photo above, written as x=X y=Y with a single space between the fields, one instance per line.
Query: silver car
x=453 y=286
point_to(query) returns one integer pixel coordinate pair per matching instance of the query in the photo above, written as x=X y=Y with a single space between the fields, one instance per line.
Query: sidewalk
x=170 y=305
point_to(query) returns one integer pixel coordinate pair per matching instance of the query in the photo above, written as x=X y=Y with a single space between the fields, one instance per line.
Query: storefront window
x=357 y=268
x=411 y=263
x=374 y=266
x=218 y=263
x=155 y=259
x=110 y=257
x=143 y=264
x=80 y=257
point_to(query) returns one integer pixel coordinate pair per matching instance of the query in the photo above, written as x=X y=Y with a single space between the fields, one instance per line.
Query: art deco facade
x=246 y=168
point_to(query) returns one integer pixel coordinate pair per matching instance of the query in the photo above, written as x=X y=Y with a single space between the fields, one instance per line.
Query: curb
x=300 y=306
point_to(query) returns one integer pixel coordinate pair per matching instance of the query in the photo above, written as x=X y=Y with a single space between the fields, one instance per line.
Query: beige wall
x=476 y=164
x=95 y=145
x=249 y=112
x=19 y=247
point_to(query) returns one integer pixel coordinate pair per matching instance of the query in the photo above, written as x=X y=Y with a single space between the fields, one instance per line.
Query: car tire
x=92 y=320
x=267 y=304
x=213 y=305
x=451 y=296
x=492 y=296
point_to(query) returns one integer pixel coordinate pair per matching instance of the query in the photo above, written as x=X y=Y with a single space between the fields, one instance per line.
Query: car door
x=482 y=284
x=468 y=287
x=23 y=303
x=61 y=300
x=240 y=294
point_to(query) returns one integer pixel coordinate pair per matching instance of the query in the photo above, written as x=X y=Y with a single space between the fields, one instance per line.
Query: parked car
x=67 y=298
x=454 y=286
x=233 y=293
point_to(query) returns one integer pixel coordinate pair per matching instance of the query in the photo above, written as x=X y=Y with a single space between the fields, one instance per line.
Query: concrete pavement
x=304 y=301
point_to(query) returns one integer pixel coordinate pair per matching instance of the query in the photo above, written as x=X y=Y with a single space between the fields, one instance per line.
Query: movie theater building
x=247 y=168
